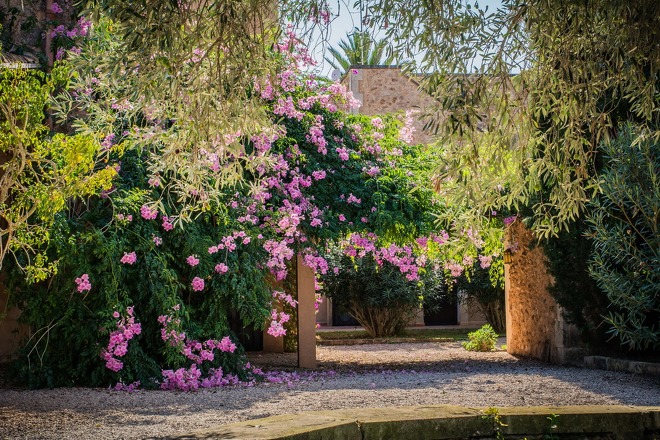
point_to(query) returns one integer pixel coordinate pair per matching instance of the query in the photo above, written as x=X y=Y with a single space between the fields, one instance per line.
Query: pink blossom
x=83 y=283
x=485 y=261
x=226 y=345
x=318 y=175
x=56 y=9
x=167 y=225
x=221 y=268
x=157 y=240
x=148 y=213
x=354 y=200
x=377 y=123
x=406 y=132
x=197 y=284
x=129 y=258
x=128 y=218
x=192 y=260
x=343 y=153
x=108 y=141
x=276 y=329
x=509 y=220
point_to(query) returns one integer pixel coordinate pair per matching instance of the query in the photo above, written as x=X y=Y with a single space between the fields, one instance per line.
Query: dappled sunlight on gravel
x=348 y=377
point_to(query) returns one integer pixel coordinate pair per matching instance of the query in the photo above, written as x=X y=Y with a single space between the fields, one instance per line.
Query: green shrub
x=481 y=340
x=624 y=230
x=376 y=292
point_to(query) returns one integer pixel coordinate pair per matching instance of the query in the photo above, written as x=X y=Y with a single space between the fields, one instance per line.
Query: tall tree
x=531 y=139
x=360 y=48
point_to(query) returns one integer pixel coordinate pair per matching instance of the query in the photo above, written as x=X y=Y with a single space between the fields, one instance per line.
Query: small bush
x=481 y=340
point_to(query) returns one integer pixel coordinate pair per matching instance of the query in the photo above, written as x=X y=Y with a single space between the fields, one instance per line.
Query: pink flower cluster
x=83 y=283
x=129 y=258
x=148 y=213
x=188 y=379
x=485 y=261
x=278 y=318
x=167 y=224
x=509 y=220
x=121 y=386
x=353 y=200
x=280 y=253
x=81 y=28
x=406 y=132
x=117 y=347
x=316 y=135
x=197 y=284
x=286 y=107
x=402 y=257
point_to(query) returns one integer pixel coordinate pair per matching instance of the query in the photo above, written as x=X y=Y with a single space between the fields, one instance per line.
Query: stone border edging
x=442 y=422
x=614 y=364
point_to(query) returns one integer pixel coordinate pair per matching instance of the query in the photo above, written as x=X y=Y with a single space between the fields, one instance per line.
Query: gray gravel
x=366 y=376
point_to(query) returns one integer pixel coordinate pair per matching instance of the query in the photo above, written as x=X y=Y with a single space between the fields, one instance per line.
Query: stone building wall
x=383 y=89
x=23 y=24
x=535 y=326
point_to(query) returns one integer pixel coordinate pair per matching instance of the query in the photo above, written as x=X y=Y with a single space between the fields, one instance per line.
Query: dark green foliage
x=626 y=240
x=576 y=292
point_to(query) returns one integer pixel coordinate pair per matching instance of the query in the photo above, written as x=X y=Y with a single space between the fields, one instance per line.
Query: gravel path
x=365 y=376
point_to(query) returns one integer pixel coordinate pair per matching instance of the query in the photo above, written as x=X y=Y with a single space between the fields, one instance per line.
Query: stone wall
x=23 y=24
x=535 y=326
x=383 y=89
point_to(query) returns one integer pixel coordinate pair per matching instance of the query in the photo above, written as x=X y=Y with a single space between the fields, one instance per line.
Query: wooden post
x=306 y=315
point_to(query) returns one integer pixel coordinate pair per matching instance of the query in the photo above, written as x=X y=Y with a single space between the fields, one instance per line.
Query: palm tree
x=360 y=48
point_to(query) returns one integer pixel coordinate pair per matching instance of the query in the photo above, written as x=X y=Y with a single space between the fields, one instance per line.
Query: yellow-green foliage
x=39 y=172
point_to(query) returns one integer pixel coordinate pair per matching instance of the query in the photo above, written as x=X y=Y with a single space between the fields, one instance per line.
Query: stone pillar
x=306 y=315
x=535 y=326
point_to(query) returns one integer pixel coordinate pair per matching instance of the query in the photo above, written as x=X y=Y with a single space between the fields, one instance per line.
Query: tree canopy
x=583 y=68
x=359 y=48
